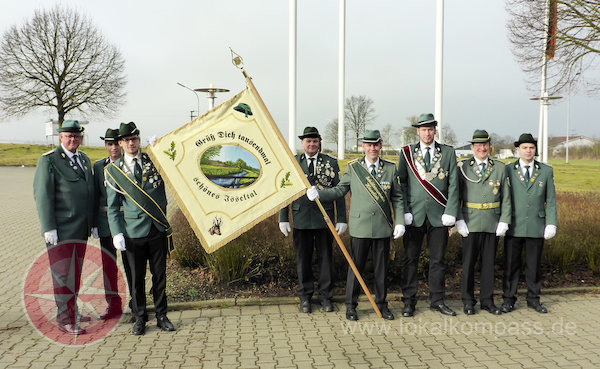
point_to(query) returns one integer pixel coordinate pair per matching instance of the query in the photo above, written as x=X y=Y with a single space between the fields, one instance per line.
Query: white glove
x=408 y=218
x=448 y=220
x=284 y=227
x=312 y=193
x=340 y=228
x=51 y=237
x=501 y=229
x=549 y=231
x=119 y=242
x=461 y=228
x=399 y=231
x=95 y=232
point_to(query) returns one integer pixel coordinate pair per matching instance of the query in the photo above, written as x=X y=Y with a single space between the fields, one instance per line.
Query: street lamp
x=211 y=89
x=197 y=98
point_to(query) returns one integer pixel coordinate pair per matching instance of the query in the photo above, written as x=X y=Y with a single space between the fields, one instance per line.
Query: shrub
x=188 y=252
x=576 y=243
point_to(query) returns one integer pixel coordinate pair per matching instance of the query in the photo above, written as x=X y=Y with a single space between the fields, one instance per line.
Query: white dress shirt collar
x=368 y=164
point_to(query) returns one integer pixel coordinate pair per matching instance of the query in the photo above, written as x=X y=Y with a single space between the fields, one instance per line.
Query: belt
x=481 y=205
x=105 y=208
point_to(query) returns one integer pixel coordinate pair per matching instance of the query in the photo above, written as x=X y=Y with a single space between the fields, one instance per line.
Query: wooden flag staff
x=237 y=61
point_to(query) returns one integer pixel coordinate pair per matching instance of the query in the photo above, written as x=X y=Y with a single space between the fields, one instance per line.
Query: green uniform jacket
x=533 y=203
x=491 y=187
x=306 y=213
x=133 y=222
x=63 y=195
x=366 y=218
x=100 y=208
x=444 y=177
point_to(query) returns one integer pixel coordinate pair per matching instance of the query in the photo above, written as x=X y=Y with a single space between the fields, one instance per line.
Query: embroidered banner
x=228 y=169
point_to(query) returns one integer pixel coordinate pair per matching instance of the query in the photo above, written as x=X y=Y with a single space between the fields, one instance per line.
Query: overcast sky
x=389 y=57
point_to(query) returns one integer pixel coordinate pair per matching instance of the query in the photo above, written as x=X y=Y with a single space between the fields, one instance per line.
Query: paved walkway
x=278 y=336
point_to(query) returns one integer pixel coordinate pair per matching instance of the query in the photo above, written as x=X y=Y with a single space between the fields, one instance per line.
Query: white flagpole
x=543 y=122
x=341 y=79
x=292 y=77
x=439 y=65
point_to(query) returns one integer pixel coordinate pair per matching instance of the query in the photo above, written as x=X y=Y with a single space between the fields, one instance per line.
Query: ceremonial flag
x=552 y=24
x=228 y=169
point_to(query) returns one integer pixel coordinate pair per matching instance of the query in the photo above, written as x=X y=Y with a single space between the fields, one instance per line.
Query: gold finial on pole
x=237 y=60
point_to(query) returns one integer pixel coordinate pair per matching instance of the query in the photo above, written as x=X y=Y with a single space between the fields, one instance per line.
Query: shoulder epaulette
x=330 y=156
x=48 y=153
x=387 y=161
x=353 y=160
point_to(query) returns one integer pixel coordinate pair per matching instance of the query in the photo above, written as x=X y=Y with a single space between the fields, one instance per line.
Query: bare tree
x=577 y=41
x=58 y=59
x=502 y=142
x=409 y=133
x=331 y=133
x=359 y=113
x=449 y=135
x=388 y=134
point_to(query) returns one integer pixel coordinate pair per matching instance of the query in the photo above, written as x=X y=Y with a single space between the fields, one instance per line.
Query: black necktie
x=137 y=170
x=527 y=177
x=482 y=168
x=373 y=171
x=427 y=159
x=78 y=165
x=311 y=167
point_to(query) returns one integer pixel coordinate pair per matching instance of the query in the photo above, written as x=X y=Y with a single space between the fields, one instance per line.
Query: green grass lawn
x=28 y=155
x=577 y=176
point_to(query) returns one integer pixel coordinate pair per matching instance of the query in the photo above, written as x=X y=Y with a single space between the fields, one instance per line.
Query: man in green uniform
x=141 y=229
x=375 y=215
x=63 y=189
x=427 y=172
x=485 y=215
x=533 y=220
x=310 y=230
x=109 y=253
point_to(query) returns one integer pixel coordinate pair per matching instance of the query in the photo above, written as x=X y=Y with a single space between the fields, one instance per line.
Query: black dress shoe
x=73 y=329
x=386 y=313
x=84 y=318
x=408 y=311
x=537 y=307
x=507 y=307
x=133 y=318
x=139 y=328
x=327 y=305
x=305 y=306
x=442 y=308
x=492 y=309
x=469 y=310
x=111 y=312
x=351 y=314
x=164 y=323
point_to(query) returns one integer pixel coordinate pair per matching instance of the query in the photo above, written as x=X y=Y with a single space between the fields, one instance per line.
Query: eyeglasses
x=131 y=139
x=74 y=137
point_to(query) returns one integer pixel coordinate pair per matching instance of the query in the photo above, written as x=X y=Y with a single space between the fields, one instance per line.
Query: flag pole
x=237 y=61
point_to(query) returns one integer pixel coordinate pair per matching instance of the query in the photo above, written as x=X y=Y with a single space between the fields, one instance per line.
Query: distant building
x=560 y=143
x=463 y=150
x=505 y=154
